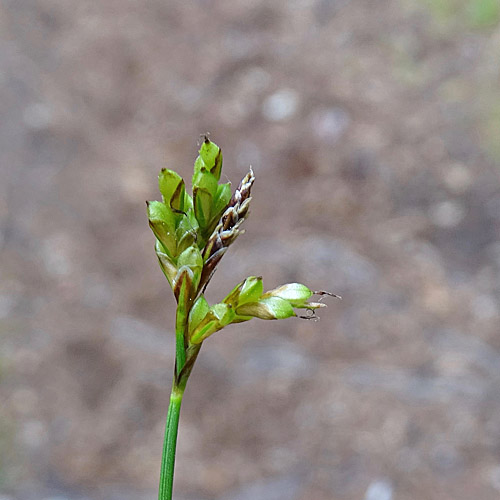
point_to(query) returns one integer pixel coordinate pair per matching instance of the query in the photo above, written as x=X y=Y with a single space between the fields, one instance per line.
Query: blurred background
x=373 y=127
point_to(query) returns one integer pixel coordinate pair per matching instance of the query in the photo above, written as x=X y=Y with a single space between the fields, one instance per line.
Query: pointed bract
x=191 y=258
x=219 y=316
x=172 y=189
x=269 y=308
x=198 y=312
x=162 y=222
x=211 y=155
x=166 y=264
x=182 y=284
x=295 y=293
x=251 y=290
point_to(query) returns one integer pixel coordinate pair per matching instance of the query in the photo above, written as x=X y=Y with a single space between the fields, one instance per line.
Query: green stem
x=180 y=347
x=181 y=321
x=169 y=445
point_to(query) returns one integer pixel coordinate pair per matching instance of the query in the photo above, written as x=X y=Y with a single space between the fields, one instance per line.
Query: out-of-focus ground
x=373 y=127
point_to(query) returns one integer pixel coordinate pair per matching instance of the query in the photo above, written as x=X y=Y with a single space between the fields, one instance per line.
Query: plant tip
x=330 y=294
x=204 y=138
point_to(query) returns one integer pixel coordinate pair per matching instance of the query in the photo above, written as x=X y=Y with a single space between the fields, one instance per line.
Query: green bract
x=172 y=189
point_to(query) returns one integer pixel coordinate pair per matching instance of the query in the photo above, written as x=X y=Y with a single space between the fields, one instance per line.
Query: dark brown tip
x=330 y=294
x=204 y=138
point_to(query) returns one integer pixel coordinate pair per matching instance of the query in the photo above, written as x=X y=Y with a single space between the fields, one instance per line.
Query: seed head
x=228 y=228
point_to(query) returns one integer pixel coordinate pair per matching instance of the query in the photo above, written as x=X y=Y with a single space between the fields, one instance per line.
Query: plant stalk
x=181 y=319
x=169 y=444
x=174 y=408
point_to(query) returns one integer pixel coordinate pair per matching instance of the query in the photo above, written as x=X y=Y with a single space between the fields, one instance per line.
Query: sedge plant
x=193 y=232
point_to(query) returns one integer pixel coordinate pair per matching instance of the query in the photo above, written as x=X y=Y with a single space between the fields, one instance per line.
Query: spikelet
x=228 y=228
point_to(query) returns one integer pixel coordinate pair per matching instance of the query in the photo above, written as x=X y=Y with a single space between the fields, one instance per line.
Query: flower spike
x=228 y=228
x=193 y=232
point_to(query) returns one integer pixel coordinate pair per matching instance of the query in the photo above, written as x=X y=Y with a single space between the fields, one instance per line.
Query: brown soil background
x=373 y=127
